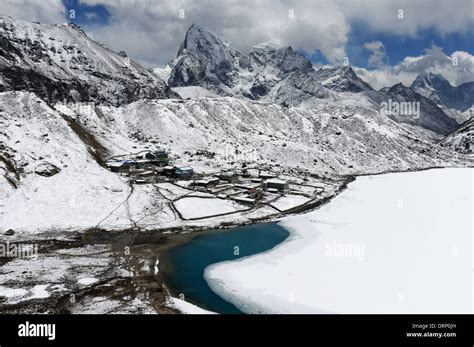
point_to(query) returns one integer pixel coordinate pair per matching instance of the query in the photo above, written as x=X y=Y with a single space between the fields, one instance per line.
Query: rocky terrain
x=60 y=63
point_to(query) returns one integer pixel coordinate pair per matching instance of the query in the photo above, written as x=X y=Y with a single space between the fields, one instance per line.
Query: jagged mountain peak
x=342 y=79
x=206 y=60
x=398 y=86
x=415 y=109
x=430 y=80
x=199 y=39
x=285 y=58
x=437 y=88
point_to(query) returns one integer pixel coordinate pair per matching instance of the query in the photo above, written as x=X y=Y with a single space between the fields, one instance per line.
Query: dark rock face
x=60 y=63
x=438 y=89
x=430 y=116
x=9 y=232
x=208 y=61
x=47 y=169
x=205 y=60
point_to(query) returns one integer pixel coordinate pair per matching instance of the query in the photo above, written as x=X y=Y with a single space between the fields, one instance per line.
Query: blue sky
x=86 y=15
x=398 y=47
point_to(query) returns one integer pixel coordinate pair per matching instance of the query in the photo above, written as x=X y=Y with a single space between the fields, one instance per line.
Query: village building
x=275 y=183
x=168 y=170
x=119 y=165
x=244 y=200
x=184 y=172
x=266 y=175
x=158 y=157
x=228 y=176
x=146 y=173
x=206 y=182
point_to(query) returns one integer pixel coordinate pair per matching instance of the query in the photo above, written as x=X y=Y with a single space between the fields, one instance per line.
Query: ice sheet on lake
x=395 y=243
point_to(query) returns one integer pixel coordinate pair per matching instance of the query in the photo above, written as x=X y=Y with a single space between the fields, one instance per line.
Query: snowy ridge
x=326 y=139
x=59 y=62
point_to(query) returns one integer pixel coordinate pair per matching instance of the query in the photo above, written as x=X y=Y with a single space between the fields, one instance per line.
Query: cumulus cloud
x=377 y=57
x=45 y=11
x=154 y=30
x=457 y=68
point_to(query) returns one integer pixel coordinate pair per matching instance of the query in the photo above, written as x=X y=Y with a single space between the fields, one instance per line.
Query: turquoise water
x=188 y=261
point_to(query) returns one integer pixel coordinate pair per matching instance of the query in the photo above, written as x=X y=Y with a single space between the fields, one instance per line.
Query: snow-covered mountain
x=342 y=79
x=268 y=72
x=438 y=89
x=425 y=112
x=60 y=62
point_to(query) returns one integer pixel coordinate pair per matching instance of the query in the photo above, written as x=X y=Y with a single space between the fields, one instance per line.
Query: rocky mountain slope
x=59 y=62
x=438 y=89
x=329 y=140
x=424 y=112
x=279 y=74
x=461 y=140
x=267 y=73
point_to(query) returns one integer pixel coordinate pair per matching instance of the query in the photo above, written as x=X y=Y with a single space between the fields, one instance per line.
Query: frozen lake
x=393 y=243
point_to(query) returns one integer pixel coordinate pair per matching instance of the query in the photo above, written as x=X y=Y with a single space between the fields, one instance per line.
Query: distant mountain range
x=280 y=74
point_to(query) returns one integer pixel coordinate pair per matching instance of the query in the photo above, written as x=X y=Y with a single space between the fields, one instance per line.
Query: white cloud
x=45 y=11
x=377 y=58
x=456 y=68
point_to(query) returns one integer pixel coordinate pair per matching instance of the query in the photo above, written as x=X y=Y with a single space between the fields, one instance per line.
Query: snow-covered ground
x=186 y=307
x=289 y=201
x=196 y=207
x=394 y=243
x=194 y=92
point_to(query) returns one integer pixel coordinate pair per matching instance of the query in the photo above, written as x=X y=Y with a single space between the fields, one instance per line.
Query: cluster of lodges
x=241 y=186
x=149 y=167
